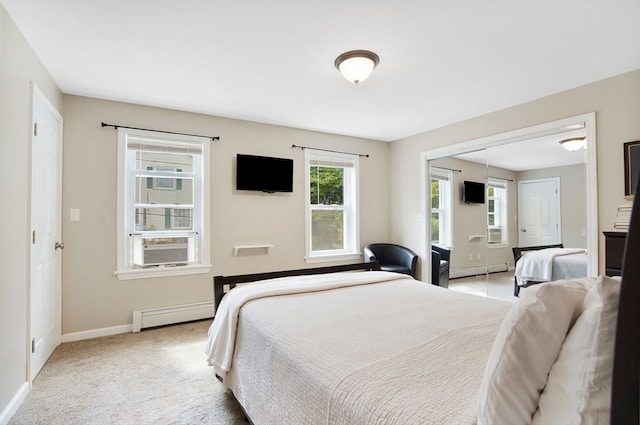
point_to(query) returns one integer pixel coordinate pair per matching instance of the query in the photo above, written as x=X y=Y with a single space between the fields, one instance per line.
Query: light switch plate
x=74 y=214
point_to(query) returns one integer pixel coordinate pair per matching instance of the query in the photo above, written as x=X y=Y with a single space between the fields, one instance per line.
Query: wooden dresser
x=614 y=251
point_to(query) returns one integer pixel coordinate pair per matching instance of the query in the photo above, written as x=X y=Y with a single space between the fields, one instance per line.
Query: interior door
x=46 y=247
x=539 y=212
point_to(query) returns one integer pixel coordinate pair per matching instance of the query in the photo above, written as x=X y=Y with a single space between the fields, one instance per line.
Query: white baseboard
x=95 y=333
x=476 y=270
x=149 y=318
x=14 y=404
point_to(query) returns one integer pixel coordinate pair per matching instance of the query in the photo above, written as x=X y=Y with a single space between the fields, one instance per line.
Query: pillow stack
x=526 y=348
x=578 y=390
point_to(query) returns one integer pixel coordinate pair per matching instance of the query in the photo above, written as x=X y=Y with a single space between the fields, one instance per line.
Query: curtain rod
x=501 y=178
x=445 y=168
x=115 y=126
x=327 y=150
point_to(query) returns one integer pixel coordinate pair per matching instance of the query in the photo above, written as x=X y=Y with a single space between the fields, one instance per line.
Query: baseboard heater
x=476 y=270
x=169 y=315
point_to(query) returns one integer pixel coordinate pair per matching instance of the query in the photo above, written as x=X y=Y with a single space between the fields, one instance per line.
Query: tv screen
x=473 y=192
x=264 y=173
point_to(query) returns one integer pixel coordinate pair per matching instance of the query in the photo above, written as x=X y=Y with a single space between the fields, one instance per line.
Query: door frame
x=552 y=127
x=37 y=96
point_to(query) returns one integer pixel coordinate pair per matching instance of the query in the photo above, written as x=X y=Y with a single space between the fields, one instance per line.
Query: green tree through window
x=327 y=188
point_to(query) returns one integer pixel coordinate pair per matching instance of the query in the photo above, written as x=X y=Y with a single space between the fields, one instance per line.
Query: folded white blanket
x=222 y=333
x=537 y=265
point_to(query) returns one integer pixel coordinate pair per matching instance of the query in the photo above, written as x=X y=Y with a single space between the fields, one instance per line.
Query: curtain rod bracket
x=115 y=126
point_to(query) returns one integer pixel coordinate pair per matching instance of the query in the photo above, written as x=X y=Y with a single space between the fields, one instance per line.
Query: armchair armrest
x=445 y=254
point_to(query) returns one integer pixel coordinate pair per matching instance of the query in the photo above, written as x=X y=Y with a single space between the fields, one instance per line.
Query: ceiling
x=531 y=154
x=441 y=61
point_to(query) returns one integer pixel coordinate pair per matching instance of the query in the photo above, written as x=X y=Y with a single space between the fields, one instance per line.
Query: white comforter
x=220 y=344
x=397 y=351
x=537 y=266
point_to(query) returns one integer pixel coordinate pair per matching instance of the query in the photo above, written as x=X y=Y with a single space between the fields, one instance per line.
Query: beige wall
x=94 y=298
x=19 y=67
x=616 y=102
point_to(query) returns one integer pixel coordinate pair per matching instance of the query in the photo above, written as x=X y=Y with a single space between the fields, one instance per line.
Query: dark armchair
x=440 y=266
x=392 y=258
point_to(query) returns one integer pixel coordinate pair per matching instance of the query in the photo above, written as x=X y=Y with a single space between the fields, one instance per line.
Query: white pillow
x=525 y=348
x=578 y=390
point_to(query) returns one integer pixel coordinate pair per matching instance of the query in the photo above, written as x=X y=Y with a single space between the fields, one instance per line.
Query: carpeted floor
x=157 y=376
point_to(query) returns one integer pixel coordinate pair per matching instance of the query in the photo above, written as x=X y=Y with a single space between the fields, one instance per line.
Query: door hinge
x=33 y=345
x=35 y=128
x=33 y=237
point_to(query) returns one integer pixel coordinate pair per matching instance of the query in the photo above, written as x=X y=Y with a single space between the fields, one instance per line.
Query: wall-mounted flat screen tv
x=473 y=192
x=264 y=173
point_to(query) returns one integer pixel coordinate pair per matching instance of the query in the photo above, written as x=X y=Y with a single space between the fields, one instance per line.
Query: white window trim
x=502 y=214
x=352 y=252
x=204 y=265
x=445 y=199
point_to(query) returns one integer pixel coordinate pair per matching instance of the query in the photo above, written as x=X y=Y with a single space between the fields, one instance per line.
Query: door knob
x=59 y=245
x=523 y=230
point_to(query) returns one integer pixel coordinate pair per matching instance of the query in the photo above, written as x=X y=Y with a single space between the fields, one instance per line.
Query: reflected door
x=539 y=212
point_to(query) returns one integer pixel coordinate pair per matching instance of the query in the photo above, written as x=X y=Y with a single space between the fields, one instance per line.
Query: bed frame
x=519 y=252
x=223 y=284
x=625 y=394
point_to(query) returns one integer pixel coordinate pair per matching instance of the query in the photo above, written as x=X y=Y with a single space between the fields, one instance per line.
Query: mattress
x=551 y=264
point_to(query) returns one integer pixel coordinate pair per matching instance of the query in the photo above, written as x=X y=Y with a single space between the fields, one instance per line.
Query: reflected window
x=497 y=211
x=440 y=206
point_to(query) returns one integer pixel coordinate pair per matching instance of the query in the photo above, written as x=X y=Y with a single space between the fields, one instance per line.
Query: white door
x=539 y=212
x=46 y=245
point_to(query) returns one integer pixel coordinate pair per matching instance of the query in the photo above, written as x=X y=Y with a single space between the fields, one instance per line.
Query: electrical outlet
x=470 y=257
x=478 y=256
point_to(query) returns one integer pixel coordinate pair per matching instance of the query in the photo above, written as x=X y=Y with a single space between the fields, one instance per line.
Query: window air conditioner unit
x=155 y=255
x=495 y=235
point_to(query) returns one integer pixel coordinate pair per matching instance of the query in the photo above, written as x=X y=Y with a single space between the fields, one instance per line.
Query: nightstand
x=614 y=251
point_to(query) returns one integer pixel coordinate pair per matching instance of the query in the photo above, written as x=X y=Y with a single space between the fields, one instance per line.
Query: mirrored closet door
x=481 y=233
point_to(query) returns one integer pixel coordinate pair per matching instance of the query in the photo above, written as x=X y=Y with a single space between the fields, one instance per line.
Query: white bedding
x=546 y=265
x=397 y=351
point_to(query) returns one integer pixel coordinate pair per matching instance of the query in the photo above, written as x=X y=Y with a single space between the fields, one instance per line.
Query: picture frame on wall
x=631 y=166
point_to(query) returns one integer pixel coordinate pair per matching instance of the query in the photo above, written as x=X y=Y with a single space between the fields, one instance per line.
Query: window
x=496 y=211
x=162 y=200
x=440 y=206
x=332 y=206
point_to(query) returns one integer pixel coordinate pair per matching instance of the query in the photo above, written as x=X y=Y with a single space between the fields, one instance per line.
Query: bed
x=545 y=263
x=371 y=347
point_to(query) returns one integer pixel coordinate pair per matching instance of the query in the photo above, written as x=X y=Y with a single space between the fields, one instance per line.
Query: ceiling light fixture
x=573 y=144
x=356 y=65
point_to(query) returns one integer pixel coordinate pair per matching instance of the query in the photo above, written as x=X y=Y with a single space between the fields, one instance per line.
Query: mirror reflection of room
x=530 y=225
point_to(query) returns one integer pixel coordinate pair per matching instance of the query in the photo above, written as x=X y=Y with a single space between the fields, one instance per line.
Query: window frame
x=500 y=213
x=445 y=209
x=350 y=207
x=126 y=200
